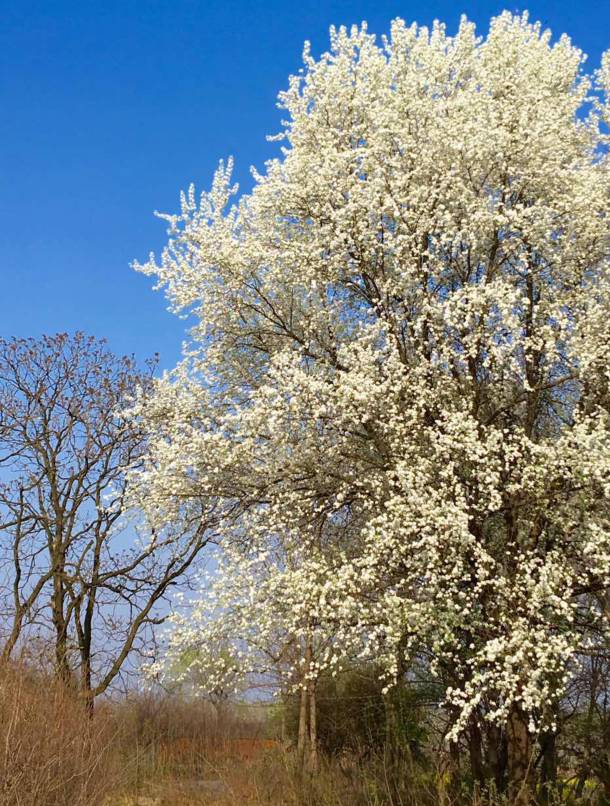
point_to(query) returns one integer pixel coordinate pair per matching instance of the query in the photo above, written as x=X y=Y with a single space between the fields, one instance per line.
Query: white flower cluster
x=396 y=401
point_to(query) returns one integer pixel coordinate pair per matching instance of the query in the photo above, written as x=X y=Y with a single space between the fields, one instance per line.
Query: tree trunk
x=519 y=758
x=454 y=782
x=62 y=664
x=303 y=720
x=549 y=766
x=475 y=751
x=580 y=784
x=496 y=757
x=13 y=637
x=86 y=687
x=313 y=729
x=391 y=726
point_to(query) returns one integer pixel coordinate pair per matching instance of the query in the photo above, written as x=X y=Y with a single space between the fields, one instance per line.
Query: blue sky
x=110 y=108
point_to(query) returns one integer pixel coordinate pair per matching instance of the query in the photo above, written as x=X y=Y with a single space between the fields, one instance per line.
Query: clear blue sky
x=109 y=108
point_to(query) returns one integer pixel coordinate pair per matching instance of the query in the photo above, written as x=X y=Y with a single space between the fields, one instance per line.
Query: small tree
x=72 y=569
x=245 y=632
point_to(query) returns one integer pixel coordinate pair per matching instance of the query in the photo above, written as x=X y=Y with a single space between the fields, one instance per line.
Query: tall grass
x=52 y=753
x=167 y=751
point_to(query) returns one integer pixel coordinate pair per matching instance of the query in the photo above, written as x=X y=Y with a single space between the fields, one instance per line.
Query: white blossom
x=397 y=388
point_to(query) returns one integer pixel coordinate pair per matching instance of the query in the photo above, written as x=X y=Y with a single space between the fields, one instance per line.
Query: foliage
x=356 y=716
x=398 y=387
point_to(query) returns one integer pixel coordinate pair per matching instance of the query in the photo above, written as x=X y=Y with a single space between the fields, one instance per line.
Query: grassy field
x=142 y=750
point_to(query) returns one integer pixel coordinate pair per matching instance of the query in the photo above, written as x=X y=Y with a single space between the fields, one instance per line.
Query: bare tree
x=72 y=568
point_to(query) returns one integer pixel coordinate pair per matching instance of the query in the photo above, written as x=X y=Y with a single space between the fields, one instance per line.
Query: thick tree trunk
x=519 y=758
x=62 y=664
x=475 y=751
x=496 y=757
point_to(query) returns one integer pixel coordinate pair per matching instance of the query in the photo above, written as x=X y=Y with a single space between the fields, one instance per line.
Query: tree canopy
x=398 y=379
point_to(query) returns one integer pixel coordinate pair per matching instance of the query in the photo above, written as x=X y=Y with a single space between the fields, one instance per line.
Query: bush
x=355 y=716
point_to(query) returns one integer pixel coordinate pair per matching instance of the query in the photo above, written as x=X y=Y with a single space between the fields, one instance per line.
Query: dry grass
x=150 y=751
x=51 y=752
x=273 y=779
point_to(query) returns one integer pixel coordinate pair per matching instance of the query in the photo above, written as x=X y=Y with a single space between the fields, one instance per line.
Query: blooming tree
x=400 y=361
x=254 y=626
